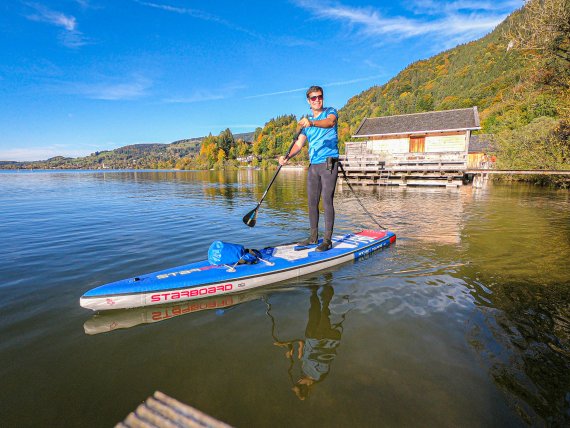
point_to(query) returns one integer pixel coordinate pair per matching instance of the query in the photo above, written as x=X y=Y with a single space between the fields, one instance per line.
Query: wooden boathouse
x=412 y=149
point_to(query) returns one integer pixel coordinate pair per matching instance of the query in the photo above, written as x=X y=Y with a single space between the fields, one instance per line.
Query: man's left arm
x=329 y=122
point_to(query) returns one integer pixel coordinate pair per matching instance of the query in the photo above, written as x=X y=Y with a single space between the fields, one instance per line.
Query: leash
x=357 y=198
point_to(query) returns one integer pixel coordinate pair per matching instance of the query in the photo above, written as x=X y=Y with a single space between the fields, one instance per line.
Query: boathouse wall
x=415 y=149
x=434 y=143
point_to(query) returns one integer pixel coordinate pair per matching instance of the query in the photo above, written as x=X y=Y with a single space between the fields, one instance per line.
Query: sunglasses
x=316 y=97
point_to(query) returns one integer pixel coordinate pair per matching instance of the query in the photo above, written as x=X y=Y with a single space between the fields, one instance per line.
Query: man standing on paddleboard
x=320 y=130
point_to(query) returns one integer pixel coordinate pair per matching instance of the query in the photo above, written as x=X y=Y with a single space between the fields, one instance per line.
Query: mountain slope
x=480 y=73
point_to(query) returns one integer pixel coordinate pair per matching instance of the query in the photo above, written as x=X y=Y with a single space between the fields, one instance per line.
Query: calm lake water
x=465 y=321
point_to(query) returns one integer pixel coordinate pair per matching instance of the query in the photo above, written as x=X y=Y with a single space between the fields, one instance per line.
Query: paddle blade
x=250 y=218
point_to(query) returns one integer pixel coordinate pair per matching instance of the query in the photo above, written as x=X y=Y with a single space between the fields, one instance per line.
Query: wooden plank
x=356 y=168
x=162 y=411
x=202 y=417
x=408 y=181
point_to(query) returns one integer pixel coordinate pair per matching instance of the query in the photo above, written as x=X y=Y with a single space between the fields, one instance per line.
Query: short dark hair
x=315 y=89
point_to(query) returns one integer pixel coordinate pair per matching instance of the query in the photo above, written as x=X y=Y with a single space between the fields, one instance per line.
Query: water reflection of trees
x=520 y=281
x=525 y=341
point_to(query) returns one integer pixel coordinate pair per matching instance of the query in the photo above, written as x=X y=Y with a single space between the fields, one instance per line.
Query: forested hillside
x=481 y=73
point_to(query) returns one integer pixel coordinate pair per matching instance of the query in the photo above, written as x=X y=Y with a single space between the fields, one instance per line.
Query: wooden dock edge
x=163 y=411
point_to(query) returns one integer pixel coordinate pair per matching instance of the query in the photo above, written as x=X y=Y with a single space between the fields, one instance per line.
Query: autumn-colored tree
x=221 y=156
x=243 y=148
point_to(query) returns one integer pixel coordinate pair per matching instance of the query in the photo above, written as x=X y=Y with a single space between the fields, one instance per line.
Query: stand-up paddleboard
x=201 y=279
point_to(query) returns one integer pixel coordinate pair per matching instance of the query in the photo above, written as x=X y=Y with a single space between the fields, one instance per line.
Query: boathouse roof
x=420 y=123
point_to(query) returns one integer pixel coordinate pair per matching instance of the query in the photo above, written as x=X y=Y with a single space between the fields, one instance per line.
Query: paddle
x=250 y=218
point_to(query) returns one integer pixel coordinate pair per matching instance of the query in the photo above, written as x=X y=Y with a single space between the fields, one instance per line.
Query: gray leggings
x=321 y=182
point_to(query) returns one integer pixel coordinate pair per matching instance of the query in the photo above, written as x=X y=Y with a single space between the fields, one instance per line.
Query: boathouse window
x=417 y=144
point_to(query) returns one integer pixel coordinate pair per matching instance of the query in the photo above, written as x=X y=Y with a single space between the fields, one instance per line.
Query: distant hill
x=131 y=156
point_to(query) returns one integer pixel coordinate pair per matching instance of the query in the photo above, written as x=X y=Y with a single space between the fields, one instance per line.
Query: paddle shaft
x=278 y=169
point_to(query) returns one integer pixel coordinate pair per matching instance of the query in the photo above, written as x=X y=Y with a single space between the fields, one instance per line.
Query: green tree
x=226 y=140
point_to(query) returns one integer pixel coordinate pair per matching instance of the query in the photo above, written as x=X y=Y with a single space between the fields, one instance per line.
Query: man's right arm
x=294 y=150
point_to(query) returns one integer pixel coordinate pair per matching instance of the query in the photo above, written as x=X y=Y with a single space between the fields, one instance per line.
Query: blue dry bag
x=225 y=253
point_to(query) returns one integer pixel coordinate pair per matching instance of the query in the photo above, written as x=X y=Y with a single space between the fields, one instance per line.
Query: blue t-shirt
x=323 y=142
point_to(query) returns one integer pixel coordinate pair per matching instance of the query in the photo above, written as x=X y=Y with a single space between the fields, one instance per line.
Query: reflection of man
x=318 y=350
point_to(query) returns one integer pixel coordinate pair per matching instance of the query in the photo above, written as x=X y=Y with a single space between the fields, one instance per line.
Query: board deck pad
x=201 y=279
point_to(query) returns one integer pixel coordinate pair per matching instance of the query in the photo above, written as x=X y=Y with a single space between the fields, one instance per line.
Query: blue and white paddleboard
x=201 y=279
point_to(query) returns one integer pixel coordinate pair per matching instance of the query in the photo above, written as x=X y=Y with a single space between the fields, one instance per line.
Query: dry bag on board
x=225 y=253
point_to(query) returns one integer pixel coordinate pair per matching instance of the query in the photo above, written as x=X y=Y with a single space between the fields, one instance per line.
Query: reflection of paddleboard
x=201 y=279
x=127 y=318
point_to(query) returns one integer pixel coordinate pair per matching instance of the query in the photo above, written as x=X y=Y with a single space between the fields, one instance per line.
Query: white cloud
x=293 y=42
x=268 y=94
x=206 y=95
x=43 y=14
x=283 y=40
x=432 y=7
x=71 y=36
x=351 y=81
x=459 y=21
x=325 y=85
x=199 y=14
x=83 y=3
x=196 y=97
x=109 y=90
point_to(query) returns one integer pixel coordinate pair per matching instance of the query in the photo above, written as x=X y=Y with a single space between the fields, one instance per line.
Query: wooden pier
x=406 y=169
x=447 y=169
x=162 y=411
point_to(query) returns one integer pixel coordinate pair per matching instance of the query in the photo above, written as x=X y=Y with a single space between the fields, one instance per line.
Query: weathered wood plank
x=163 y=411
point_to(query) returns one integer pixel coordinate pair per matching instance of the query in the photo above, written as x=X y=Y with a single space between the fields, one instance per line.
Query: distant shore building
x=412 y=149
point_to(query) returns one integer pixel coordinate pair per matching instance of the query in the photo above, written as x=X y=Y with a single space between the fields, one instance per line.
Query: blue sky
x=78 y=76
